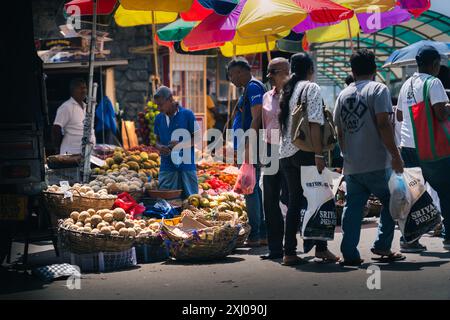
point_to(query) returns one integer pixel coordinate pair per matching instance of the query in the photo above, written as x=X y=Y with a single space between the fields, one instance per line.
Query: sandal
x=387 y=256
x=326 y=257
x=351 y=263
x=293 y=261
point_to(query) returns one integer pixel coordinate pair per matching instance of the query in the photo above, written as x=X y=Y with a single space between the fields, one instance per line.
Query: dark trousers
x=274 y=190
x=437 y=174
x=410 y=158
x=291 y=169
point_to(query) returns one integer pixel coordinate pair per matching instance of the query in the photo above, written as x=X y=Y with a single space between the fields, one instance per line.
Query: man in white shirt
x=68 y=125
x=411 y=93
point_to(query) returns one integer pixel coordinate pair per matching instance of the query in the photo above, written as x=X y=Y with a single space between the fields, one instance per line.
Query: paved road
x=244 y=276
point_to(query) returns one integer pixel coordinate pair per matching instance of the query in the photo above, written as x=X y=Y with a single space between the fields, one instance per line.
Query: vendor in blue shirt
x=248 y=116
x=176 y=172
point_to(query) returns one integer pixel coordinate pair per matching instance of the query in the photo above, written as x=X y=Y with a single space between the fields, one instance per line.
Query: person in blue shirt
x=248 y=116
x=177 y=171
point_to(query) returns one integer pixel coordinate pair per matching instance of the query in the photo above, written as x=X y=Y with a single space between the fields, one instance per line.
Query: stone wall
x=131 y=80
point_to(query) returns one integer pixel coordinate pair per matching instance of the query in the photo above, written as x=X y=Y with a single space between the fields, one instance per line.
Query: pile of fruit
x=138 y=161
x=227 y=178
x=228 y=202
x=89 y=191
x=110 y=222
x=216 y=180
x=216 y=166
x=144 y=148
x=123 y=180
x=146 y=123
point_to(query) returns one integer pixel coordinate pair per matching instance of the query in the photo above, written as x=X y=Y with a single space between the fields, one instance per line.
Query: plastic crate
x=104 y=261
x=147 y=253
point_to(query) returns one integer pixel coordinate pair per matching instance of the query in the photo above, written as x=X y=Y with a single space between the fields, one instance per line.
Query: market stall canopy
x=321 y=12
x=197 y=12
x=176 y=31
x=250 y=19
x=222 y=7
x=371 y=16
x=292 y=43
x=157 y=5
x=333 y=64
x=229 y=50
x=104 y=7
x=132 y=18
x=407 y=55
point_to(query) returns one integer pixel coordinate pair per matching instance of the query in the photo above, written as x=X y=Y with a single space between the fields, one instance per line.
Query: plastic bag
x=422 y=218
x=161 y=210
x=127 y=203
x=400 y=201
x=246 y=179
x=405 y=189
x=320 y=218
x=422 y=215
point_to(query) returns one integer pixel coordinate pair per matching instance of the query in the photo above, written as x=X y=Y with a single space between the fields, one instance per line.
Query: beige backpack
x=301 y=132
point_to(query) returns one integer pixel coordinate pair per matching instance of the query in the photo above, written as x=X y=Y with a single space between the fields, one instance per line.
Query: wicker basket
x=61 y=207
x=83 y=242
x=244 y=232
x=243 y=236
x=196 y=249
x=164 y=194
x=149 y=240
x=137 y=195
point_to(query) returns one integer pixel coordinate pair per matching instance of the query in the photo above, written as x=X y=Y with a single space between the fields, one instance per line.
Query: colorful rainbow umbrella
x=371 y=16
x=255 y=22
x=176 y=31
x=251 y=22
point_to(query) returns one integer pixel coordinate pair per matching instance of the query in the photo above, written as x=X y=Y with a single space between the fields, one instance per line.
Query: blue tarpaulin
x=106 y=118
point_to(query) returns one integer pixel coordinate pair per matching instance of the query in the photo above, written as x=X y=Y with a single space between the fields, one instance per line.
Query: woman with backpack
x=299 y=89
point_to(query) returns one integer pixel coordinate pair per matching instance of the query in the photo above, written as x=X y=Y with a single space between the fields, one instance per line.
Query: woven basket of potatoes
x=149 y=232
x=102 y=230
x=83 y=198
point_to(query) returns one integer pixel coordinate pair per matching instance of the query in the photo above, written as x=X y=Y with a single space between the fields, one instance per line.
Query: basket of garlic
x=102 y=230
x=78 y=198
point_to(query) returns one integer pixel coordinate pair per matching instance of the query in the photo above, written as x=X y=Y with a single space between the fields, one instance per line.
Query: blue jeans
x=176 y=180
x=255 y=211
x=437 y=174
x=359 y=188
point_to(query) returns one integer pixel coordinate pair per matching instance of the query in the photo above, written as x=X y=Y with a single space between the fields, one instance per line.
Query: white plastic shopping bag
x=422 y=214
x=400 y=201
x=405 y=189
x=320 y=218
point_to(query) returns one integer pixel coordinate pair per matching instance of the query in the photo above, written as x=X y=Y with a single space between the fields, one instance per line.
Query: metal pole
x=269 y=57
x=89 y=118
x=350 y=34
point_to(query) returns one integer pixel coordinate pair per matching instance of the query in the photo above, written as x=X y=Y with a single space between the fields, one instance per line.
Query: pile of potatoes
x=123 y=181
x=83 y=190
x=114 y=222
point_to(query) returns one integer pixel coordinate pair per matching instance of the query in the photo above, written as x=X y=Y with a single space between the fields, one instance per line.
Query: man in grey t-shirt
x=366 y=138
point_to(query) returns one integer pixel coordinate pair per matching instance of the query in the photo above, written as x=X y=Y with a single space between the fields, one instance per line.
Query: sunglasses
x=273 y=71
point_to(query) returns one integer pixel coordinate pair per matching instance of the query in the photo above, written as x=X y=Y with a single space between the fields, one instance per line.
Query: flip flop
x=351 y=263
x=294 y=262
x=390 y=257
x=323 y=260
x=326 y=260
